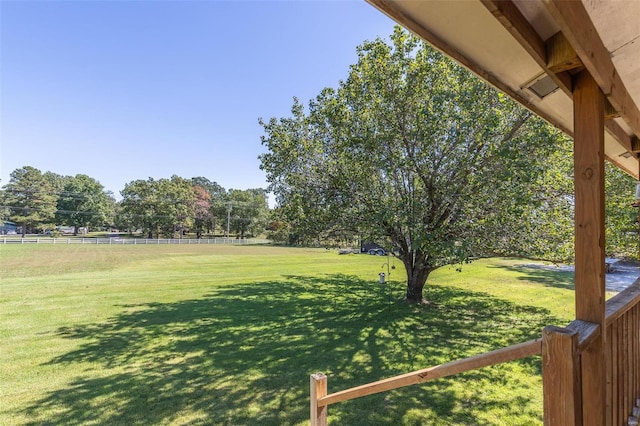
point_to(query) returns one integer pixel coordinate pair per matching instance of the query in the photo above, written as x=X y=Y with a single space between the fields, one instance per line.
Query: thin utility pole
x=228 y=217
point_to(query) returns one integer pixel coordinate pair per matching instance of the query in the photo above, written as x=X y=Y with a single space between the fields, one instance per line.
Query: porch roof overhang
x=531 y=49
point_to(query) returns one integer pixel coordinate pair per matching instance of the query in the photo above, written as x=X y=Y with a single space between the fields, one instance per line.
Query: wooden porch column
x=589 y=238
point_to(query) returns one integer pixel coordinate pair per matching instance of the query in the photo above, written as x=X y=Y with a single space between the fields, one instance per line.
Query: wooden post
x=561 y=377
x=318 y=390
x=588 y=102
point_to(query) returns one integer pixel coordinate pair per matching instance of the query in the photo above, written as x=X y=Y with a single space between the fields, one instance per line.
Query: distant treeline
x=40 y=202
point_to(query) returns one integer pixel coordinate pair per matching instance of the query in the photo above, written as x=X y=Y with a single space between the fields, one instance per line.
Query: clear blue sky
x=125 y=90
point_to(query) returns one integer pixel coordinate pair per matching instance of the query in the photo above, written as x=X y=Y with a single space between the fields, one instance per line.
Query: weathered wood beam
x=555 y=56
x=609 y=111
x=395 y=12
x=587 y=332
x=618 y=132
x=622 y=167
x=560 y=54
x=577 y=27
x=508 y=14
x=590 y=237
x=623 y=302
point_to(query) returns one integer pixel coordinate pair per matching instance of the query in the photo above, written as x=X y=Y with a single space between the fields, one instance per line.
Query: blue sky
x=125 y=90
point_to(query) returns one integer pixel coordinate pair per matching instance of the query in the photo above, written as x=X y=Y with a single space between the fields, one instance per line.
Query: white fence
x=134 y=241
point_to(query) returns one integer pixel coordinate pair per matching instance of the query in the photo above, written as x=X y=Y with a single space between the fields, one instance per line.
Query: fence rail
x=318 y=383
x=132 y=241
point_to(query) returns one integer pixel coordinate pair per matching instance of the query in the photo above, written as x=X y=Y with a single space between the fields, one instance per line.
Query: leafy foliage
x=83 y=202
x=158 y=206
x=249 y=211
x=203 y=219
x=213 y=201
x=621 y=218
x=30 y=198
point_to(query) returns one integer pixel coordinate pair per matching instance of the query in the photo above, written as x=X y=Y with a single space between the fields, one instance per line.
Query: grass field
x=229 y=335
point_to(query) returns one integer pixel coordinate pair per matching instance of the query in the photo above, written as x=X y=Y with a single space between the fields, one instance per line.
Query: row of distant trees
x=38 y=201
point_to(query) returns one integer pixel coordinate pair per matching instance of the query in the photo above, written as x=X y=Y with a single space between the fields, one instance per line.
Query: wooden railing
x=622 y=349
x=320 y=400
x=567 y=391
x=563 y=379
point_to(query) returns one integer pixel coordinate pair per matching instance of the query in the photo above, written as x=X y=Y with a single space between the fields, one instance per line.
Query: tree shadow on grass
x=243 y=354
x=546 y=276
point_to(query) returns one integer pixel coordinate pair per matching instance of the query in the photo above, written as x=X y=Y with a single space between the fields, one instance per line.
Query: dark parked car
x=372 y=248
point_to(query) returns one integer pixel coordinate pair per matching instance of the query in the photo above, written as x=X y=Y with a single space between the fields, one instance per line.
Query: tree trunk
x=417 y=269
x=417 y=273
x=415 y=284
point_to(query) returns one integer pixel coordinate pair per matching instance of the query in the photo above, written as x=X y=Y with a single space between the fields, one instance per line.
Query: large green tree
x=83 y=202
x=249 y=211
x=139 y=207
x=176 y=200
x=163 y=206
x=210 y=205
x=30 y=197
x=414 y=150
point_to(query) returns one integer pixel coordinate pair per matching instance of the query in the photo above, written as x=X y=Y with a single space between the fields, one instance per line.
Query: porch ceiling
x=514 y=44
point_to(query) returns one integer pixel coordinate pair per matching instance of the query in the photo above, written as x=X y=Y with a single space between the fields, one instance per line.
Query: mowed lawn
x=228 y=335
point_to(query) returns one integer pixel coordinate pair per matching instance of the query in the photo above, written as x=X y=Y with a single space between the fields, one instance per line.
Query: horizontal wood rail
x=498 y=356
x=619 y=304
x=587 y=332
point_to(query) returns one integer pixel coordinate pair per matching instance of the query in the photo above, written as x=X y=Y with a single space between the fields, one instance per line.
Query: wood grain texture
x=560 y=377
x=590 y=238
x=578 y=28
x=589 y=199
x=318 y=389
x=560 y=54
x=511 y=353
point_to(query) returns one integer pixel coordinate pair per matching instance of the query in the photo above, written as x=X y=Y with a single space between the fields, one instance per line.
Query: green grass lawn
x=229 y=335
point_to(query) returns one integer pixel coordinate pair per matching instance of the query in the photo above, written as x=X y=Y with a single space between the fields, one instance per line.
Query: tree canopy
x=414 y=150
x=158 y=206
x=30 y=198
x=83 y=202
